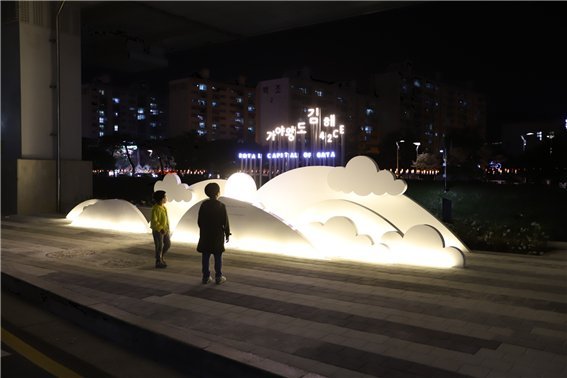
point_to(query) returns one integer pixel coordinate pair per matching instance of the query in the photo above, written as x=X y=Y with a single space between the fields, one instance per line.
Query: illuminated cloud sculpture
x=356 y=213
x=178 y=197
x=114 y=214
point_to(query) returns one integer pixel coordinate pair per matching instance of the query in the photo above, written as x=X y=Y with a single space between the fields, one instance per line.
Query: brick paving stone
x=474 y=371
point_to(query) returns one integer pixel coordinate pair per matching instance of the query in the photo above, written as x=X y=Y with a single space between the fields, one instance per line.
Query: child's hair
x=212 y=189
x=159 y=195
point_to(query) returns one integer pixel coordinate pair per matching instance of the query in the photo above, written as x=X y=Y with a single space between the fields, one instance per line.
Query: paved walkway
x=502 y=316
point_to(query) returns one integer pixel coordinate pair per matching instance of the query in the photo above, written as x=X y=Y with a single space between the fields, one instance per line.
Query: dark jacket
x=213 y=226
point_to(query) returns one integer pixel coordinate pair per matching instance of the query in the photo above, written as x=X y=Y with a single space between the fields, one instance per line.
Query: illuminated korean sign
x=305 y=155
x=248 y=155
x=326 y=128
x=288 y=155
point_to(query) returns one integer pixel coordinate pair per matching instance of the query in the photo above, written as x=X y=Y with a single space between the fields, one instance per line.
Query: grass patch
x=494 y=217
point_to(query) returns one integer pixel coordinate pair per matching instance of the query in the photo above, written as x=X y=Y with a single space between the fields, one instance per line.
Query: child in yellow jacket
x=159 y=224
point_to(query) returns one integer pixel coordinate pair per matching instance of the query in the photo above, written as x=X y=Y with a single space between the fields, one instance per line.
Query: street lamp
x=524 y=140
x=417 y=144
x=398 y=156
x=444 y=154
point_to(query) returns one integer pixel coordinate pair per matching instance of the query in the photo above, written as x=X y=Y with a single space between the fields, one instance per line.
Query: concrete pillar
x=29 y=109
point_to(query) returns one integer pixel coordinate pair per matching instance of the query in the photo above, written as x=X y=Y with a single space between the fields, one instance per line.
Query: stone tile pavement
x=502 y=316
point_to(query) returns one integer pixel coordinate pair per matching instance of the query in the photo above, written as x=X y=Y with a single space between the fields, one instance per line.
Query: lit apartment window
x=369 y=111
x=239 y=100
x=417 y=83
x=140 y=110
x=319 y=92
x=101 y=113
x=202 y=87
x=302 y=90
x=202 y=132
x=202 y=102
x=214 y=104
x=251 y=108
x=368 y=129
x=101 y=119
x=115 y=128
x=116 y=100
x=214 y=125
x=140 y=117
x=116 y=114
x=153 y=125
x=101 y=92
x=202 y=125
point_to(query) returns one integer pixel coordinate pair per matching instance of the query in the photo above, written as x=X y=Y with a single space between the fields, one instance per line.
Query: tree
x=118 y=145
x=427 y=161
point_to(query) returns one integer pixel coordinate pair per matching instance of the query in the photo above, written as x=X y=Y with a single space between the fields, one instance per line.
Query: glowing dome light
x=77 y=210
x=242 y=187
x=115 y=214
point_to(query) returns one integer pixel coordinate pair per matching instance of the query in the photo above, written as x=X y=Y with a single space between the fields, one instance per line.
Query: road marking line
x=36 y=356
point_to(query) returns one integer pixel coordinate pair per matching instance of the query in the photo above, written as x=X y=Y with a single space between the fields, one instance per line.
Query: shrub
x=483 y=235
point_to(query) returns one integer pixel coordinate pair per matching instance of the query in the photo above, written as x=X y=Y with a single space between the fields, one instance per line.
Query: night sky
x=509 y=51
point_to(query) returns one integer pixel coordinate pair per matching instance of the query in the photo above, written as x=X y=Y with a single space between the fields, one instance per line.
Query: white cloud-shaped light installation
x=114 y=214
x=179 y=197
x=77 y=210
x=252 y=230
x=356 y=213
x=361 y=176
x=423 y=245
x=174 y=188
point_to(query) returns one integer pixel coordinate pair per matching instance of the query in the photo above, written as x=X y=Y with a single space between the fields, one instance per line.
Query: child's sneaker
x=220 y=280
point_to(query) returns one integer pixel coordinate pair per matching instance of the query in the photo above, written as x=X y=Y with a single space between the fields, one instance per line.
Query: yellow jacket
x=159 y=220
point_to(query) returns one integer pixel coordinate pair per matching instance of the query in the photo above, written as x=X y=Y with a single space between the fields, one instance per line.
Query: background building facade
x=127 y=110
x=211 y=109
x=425 y=110
x=288 y=100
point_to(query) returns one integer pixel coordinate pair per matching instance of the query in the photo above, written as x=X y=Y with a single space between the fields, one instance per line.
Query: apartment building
x=425 y=109
x=211 y=109
x=112 y=109
x=293 y=100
